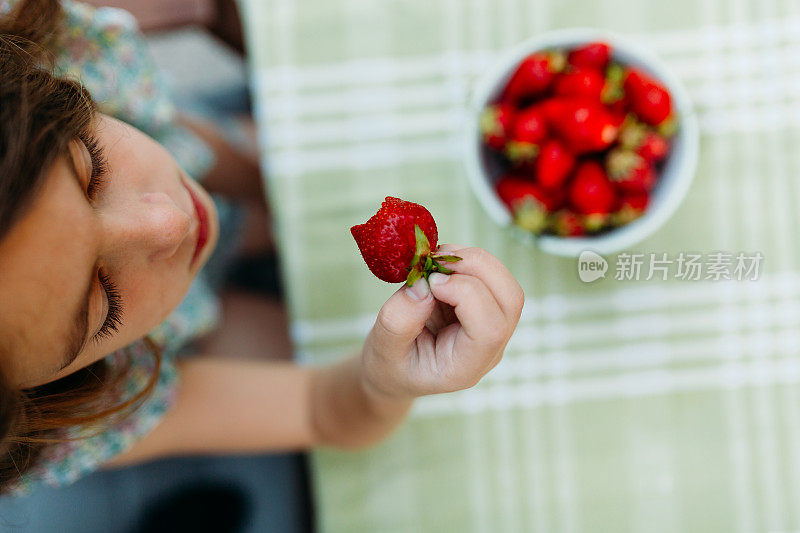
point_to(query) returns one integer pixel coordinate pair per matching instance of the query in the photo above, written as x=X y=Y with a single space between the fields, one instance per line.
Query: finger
x=441 y=316
x=483 y=265
x=476 y=309
x=436 y=321
x=402 y=318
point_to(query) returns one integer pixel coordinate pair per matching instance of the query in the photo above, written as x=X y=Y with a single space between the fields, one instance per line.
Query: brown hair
x=40 y=113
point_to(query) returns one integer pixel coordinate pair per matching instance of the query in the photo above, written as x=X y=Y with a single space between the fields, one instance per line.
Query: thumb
x=402 y=318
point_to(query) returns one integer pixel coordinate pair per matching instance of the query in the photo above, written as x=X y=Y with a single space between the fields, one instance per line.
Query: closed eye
x=113 y=318
x=99 y=166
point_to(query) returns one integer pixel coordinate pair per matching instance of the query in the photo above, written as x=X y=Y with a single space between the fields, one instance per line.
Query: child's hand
x=420 y=345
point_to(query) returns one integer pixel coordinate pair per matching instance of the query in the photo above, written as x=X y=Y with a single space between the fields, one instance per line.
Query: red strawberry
x=586 y=126
x=495 y=124
x=630 y=171
x=528 y=203
x=653 y=148
x=530 y=129
x=530 y=126
x=553 y=165
x=566 y=223
x=643 y=140
x=581 y=82
x=397 y=242
x=619 y=109
x=534 y=75
x=648 y=99
x=591 y=192
x=592 y=55
x=631 y=207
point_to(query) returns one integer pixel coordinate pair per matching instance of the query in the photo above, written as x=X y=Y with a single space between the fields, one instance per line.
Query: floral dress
x=103 y=48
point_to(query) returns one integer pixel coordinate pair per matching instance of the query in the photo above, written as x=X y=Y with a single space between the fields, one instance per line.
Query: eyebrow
x=76 y=338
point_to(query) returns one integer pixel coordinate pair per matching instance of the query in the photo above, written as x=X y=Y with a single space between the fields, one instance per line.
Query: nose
x=153 y=225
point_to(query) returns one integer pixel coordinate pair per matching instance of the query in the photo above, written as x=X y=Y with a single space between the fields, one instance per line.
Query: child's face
x=140 y=229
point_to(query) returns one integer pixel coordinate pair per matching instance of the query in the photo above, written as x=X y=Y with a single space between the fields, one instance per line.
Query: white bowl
x=674 y=179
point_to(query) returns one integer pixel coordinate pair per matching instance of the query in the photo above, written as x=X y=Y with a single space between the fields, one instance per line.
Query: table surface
x=620 y=405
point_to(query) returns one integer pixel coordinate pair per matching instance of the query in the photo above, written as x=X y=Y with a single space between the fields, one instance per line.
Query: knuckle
x=476 y=254
x=471 y=285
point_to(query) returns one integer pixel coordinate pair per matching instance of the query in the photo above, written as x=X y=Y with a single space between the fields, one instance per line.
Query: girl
x=103 y=241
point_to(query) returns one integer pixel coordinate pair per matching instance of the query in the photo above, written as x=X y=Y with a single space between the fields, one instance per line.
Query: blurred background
x=657 y=405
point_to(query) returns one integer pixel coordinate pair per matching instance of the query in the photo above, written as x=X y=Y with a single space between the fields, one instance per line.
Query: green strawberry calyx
x=424 y=262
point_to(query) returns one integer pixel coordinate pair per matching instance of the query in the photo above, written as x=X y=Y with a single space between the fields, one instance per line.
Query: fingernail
x=419 y=290
x=437 y=279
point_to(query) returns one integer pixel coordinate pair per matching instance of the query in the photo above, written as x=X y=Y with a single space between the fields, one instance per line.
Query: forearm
x=227 y=405
x=346 y=412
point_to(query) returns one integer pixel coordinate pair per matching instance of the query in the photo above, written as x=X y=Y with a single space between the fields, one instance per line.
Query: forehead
x=44 y=260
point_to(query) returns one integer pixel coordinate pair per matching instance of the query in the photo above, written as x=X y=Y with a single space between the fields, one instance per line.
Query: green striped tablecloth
x=620 y=405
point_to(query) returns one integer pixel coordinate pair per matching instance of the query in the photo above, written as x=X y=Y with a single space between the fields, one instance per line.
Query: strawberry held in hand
x=399 y=241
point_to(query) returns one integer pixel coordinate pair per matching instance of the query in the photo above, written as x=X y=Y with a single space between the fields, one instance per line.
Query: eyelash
x=99 y=165
x=96 y=181
x=114 y=317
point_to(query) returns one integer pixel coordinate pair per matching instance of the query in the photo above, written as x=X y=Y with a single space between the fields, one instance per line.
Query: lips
x=202 y=218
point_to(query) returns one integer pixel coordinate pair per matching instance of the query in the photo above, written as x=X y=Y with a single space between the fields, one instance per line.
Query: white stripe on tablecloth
x=729 y=375
x=506 y=500
x=567 y=501
x=716 y=351
x=763 y=403
x=435 y=109
x=640 y=306
x=390 y=70
x=290 y=162
x=539 y=469
x=430 y=93
x=756 y=226
x=560 y=361
x=477 y=444
x=640 y=356
x=740 y=457
x=767 y=98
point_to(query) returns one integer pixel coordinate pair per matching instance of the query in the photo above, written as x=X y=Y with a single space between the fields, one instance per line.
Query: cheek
x=149 y=296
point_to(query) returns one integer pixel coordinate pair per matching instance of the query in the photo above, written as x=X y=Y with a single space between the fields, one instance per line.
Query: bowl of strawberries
x=580 y=140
